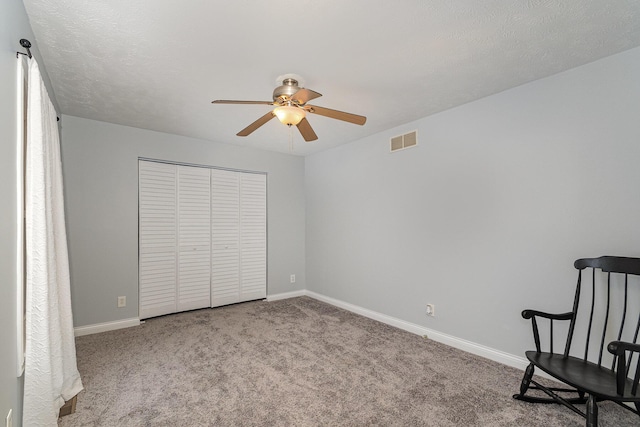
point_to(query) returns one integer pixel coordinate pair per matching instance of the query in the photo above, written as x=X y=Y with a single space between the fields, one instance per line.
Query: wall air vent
x=401 y=142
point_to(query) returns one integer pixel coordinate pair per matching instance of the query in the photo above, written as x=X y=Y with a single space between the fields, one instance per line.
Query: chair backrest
x=607 y=313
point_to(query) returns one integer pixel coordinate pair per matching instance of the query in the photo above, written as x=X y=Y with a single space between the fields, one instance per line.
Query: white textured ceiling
x=158 y=64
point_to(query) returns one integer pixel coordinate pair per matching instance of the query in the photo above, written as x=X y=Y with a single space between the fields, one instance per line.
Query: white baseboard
x=285 y=295
x=106 y=326
x=459 y=343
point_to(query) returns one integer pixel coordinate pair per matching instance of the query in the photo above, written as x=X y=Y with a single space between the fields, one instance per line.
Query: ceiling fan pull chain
x=290 y=139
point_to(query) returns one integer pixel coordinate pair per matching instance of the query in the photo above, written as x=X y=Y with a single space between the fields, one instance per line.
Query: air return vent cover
x=401 y=142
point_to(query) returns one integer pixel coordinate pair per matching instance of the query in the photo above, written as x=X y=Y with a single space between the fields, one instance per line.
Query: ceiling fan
x=291 y=109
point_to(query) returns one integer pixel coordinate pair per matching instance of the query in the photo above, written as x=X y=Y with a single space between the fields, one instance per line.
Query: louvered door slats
x=157 y=239
x=194 y=241
x=225 y=228
x=253 y=242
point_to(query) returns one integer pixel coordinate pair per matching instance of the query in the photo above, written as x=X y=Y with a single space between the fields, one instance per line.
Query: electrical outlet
x=122 y=302
x=431 y=309
x=293 y=278
x=10 y=418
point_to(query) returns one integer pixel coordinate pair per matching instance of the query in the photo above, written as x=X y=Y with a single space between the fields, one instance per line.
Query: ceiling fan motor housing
x=284 y=92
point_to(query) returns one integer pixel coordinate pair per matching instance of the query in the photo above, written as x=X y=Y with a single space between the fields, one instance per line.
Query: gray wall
x=14 y=25
x=486 y=216
x=100 y=168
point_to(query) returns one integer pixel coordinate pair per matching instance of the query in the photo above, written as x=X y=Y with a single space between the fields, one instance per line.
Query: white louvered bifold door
x=194 y=238
x=203 y=237
x=157 y=238
x=225 y=230
x=253 y=236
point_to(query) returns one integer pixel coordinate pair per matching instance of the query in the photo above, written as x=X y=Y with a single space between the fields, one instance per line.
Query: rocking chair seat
x=583 y=375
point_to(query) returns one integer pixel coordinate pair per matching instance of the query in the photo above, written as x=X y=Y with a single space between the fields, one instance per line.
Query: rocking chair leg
x=526 y=380
x=592 y=412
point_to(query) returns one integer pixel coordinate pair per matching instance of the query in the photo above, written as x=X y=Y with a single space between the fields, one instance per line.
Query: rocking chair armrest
x=532 y=314
x=528 y=314
x=619 y=347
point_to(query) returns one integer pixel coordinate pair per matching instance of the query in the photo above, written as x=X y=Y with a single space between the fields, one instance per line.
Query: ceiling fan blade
x=255 y=125
x=306 y=130
x=340 y=115
x=305 y=95
x=226 y=101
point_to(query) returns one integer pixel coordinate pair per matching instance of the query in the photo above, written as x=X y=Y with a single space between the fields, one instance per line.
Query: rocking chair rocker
x=593 y=382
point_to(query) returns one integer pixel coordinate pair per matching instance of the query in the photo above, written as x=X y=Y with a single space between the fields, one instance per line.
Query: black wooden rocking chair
x=586 y=377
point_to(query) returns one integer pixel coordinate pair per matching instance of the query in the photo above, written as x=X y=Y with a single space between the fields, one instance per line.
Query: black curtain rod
x=27 y=45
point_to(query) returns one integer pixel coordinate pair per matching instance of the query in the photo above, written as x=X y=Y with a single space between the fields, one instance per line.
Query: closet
x=202 y=237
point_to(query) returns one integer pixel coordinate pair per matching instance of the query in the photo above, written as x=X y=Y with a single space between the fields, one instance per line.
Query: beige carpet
x=296 y=362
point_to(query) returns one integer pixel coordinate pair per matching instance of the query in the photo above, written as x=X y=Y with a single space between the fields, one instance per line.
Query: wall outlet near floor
x=122 y=302
x=10 y=418
x=431 y=310
x=293 y=278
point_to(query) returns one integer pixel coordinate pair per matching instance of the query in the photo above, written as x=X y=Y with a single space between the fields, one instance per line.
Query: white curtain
x=51 y=373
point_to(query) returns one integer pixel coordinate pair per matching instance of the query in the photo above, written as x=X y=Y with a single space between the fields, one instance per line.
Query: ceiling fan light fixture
x=289 y=115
